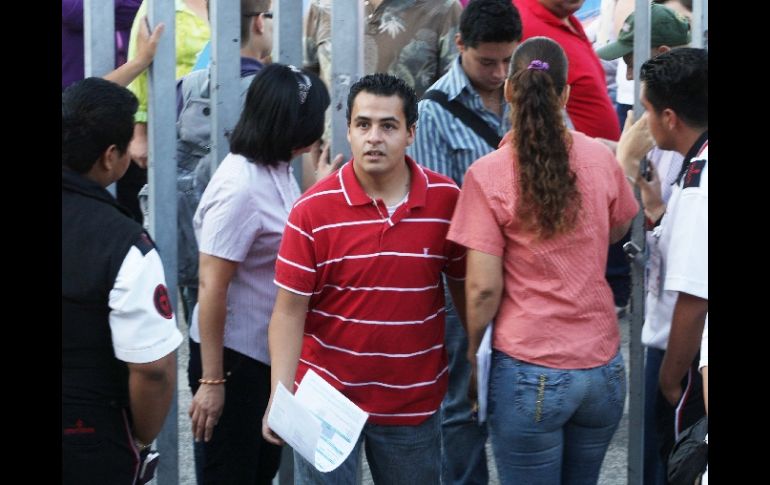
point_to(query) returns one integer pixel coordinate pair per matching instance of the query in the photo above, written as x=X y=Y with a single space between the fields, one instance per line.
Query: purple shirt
x=72 y=48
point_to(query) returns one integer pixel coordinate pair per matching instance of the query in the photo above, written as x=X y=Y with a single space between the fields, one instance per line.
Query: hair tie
x=538 y=65
x=303 y=83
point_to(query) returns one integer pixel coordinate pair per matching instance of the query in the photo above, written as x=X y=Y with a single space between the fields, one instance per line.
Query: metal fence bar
x=636 y=350
x=700 y=23
x=161 y=176
x=98 y=37
x=225 y=73
x=347 y=65
x=287 y=49
x=99 y=42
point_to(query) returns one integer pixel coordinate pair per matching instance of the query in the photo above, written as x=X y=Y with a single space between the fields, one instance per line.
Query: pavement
x=614 y=468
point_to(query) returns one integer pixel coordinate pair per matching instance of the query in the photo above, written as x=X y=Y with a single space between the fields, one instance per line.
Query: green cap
x=668 y=28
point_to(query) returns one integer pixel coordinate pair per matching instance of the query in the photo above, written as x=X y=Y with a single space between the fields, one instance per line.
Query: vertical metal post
x=636 y=350
x=161 y=175
x=225 y=73
x=348 y=17
x=99 y=37
x=700 y=23
x=99 y=42
x=347 y=65
x=287 y=49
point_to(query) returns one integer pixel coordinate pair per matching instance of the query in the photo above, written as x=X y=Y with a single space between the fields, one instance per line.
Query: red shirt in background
x=589 y=106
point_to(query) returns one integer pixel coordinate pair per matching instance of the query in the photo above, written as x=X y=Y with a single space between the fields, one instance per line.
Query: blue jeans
x=653 y=465
x=553 y=426
x=396 y=455
x=463 y=456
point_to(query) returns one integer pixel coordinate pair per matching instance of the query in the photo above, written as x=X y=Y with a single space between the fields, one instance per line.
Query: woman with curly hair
x=537 y=216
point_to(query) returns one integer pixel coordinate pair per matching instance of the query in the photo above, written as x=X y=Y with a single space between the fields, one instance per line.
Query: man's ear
x=459 y=43
x=508 y=91
x=410 y=134
x=670 y=119
x=109 y=159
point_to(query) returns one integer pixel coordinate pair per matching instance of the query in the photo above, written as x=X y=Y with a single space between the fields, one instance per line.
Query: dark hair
x=679 y=80
x=274 y=120
x=548 y=192
x=248 y=8
x=386 y=85
x=490 y=21
x=95 y=114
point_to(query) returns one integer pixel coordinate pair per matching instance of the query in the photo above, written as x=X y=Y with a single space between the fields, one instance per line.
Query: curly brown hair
x=549 y=199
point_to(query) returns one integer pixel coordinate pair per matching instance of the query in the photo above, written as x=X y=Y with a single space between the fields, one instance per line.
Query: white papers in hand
x=483 y=364
x=319 y=422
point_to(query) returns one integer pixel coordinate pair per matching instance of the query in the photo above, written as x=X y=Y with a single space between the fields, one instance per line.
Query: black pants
x=237 y=453
x=618 y=272
x=672 y=420
x=97 y=446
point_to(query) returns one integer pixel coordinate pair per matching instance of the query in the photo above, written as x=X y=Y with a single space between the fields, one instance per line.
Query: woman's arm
x=206 y=408
x=147 y=44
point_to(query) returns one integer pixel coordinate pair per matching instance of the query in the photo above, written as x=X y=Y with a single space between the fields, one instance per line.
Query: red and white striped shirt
x=375 y=322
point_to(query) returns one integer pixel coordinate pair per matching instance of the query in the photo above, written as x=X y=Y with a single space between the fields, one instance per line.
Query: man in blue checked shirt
x=490 y=30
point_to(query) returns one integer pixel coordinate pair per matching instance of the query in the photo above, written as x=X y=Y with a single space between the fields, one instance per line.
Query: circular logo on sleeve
x=162 y=303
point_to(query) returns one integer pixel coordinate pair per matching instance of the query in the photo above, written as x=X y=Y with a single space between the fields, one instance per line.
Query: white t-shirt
x=625 y=93
x=680 y=263
x=689 y=249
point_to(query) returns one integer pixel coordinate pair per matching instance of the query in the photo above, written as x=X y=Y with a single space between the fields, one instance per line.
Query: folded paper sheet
x=318 y=421
x=483 y=365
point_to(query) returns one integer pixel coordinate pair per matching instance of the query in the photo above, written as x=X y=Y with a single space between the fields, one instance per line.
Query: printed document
x=318 y=421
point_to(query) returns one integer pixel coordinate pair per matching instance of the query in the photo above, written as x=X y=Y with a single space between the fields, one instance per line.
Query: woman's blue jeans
x=553 y=426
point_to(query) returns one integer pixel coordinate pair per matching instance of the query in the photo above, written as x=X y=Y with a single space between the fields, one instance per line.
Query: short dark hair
x=382 y=84
x=275 y=119
x=95 y=114
x=679 y=80
x=490 y=21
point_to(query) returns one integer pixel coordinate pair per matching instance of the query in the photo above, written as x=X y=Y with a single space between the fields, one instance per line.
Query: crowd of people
x=489 y=185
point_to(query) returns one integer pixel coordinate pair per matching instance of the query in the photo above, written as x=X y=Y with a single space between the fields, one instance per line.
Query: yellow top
x=192 y=34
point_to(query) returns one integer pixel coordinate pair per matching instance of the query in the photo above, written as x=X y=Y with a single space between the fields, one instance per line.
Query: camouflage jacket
x=411 y=39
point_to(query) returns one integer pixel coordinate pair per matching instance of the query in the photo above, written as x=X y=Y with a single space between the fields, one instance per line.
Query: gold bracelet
x=212 y=381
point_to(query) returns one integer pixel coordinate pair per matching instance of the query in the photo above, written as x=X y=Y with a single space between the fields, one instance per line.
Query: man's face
x=268 y=26
x=562 y=8
x=378 y=134
x=487 y=64
x=655 y=121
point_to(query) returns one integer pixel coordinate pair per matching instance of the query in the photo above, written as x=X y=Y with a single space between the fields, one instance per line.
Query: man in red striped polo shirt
x=360 y=297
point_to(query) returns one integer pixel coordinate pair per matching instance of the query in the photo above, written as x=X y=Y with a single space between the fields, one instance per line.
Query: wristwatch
x=141 y=446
